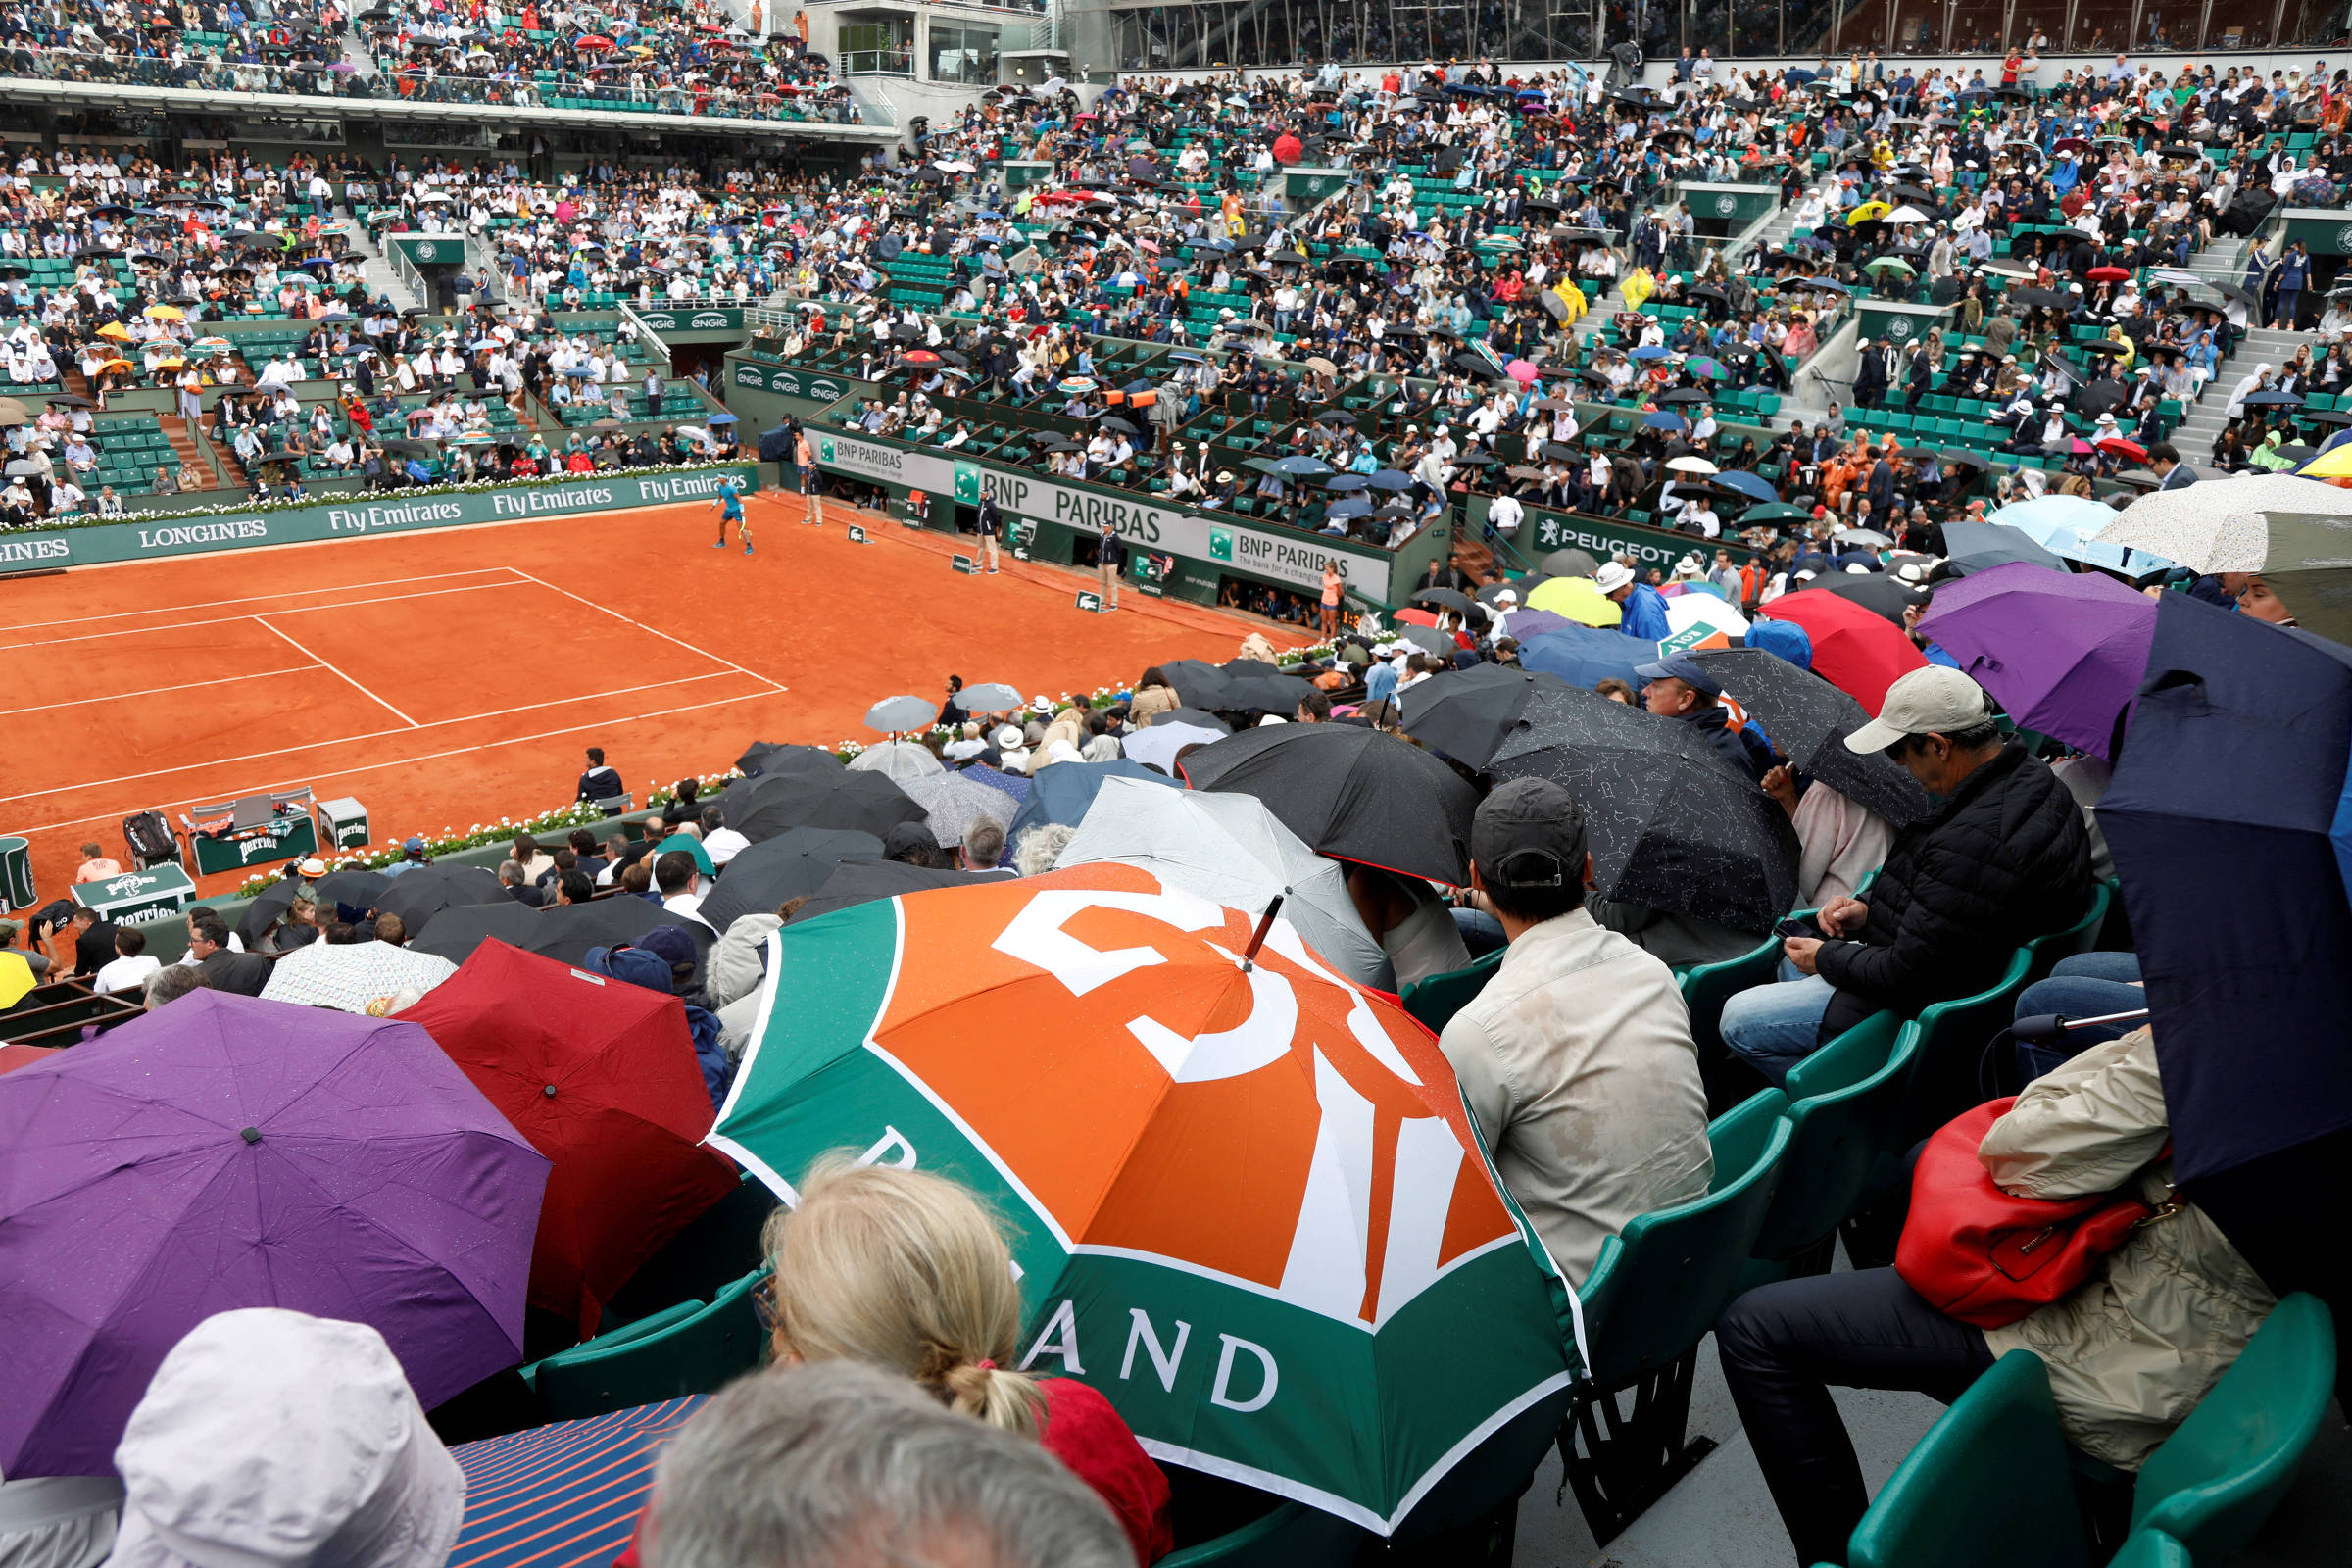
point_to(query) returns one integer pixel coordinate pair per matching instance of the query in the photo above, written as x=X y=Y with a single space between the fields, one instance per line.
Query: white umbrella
x=1688 y=609
x=1699 y=466
x=898 y=761
x=1156 y=745
x=353 y=976
x=901 y=713
x=1905 y=214
x=954 y=802
x=2219 y=525
x=1231 y=850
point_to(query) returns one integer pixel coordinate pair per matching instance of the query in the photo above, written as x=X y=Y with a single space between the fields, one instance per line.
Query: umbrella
x=226 y=1153
x=2236 y=757
x=353 y=976
x=1979 y=546
x=990 y=697
x=601 y=1076
x=953 y=802
x=1063 y=792
x=1674 y=825
x=571 y=1491
x=267 y=905
x=1354 y=793
x=1577 y=598
x=354 y=889
x=866 y=801
x=1570 y=562
x=1584 y=655
x=1156 y=744
x=458 y=931
x=902 y=714
x=1749 y=485
x=793 y=865
x=2062 y=651
x=1808 y=721
x=418 y=895
x=1465 y=713
x=1445 y=598
x=1691 y=464
x=2219 y=525
x=855 y=882
x=1230 y=849
x=1875 y=591
x=1199 y=683
x=1371 y=1300
x=785 y=757
x=1853 y=648
x=898 y=760
x=570 y=932
x=1695 y=607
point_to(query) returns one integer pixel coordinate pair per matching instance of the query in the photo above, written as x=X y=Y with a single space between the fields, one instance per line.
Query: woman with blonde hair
x=906 y=1270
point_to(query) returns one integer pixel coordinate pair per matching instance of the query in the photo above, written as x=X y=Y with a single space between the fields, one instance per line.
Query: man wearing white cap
x=1644 y=608
x=2000 y=859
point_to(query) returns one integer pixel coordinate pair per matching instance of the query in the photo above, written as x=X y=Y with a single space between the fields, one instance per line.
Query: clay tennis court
x=450 y=676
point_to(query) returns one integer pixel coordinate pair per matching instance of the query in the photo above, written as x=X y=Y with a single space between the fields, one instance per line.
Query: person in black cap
x=1577 y=1057
x=1680 y=687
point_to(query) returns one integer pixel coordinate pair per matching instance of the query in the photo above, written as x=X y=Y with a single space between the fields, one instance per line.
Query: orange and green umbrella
x=1244 y=1194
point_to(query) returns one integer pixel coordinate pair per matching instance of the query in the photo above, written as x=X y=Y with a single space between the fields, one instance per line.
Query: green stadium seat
x=687 y=1348
x=1434 y=998
x=1843 y=1102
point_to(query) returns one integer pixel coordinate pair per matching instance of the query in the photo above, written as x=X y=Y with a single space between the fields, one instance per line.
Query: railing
x=634 y=327
x=878 y=62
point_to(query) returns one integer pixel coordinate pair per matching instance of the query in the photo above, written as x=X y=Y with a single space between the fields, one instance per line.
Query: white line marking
x=370 y=735
x=251 y=599
x=642 y=626
x=154 y=690
x=338 y=675
x=222 y=620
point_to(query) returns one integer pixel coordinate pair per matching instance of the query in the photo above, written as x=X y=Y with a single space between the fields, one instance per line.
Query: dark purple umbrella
x=2064 y=652
x=227 y=1152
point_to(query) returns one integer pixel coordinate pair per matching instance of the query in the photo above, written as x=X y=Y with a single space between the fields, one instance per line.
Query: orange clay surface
x=447 y=678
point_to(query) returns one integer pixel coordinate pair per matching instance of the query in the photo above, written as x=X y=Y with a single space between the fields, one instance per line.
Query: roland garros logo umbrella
x=1246 y=1200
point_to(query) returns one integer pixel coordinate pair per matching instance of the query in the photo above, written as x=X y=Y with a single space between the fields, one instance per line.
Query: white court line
x=155 y=691
x=222 y=620
x=377 y=734
x=255 y=599
x=642 y=626
x=370 y=767
x=338 y=675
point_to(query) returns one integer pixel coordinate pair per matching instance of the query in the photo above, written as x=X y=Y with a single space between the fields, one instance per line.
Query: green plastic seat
x=1989 y=1483
x=1435 y=999
x=1706 y=986
x=2152 y=1548
x=1291 y=1536
x=1948 y=1048
x=687 y=1348
x=2211 y=1483
x=1843 y=1104
x=1652 y=1295
x=2079 y=938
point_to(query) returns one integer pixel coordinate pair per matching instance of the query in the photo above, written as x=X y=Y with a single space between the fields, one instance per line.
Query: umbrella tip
x=548 y=1091
x=1265 y=923
x=252 y=1134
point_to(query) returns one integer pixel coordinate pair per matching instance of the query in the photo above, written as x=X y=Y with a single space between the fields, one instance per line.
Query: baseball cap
x=1528 y=833
x=412 y=844
x=672 y=944
x=1683 y=667
x=1936 y=699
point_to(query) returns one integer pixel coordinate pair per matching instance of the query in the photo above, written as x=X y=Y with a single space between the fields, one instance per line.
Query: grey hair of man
x=1041 y=846
x=983 y=843
x=171 y=983
x=841 y=1465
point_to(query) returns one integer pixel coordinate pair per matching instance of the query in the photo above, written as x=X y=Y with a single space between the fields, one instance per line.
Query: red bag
x=1987 y=1258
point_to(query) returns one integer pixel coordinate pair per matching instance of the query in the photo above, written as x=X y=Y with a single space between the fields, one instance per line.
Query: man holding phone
x=2002 y=858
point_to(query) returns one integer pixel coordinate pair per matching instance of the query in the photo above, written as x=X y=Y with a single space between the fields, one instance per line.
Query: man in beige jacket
x=2129 y=1353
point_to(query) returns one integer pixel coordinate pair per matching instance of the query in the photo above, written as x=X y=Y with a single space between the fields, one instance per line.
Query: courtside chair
x=1654 y=1293
x=687 y=1348
x=1989 y=1483
x=1844 y=1101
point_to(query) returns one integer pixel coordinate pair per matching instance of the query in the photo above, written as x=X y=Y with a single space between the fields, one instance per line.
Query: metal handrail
x=645 y=335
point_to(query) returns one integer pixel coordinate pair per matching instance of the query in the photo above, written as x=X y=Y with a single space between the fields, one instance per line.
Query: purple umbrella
x=2063 y=651
x=225 y=1152
x=1525 y=623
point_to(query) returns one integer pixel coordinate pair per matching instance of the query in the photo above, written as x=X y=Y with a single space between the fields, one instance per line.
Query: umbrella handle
x=2044 y=1028
x=1265 y=923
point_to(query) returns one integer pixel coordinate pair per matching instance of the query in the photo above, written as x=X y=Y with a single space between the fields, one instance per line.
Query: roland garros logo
x=1726 y=205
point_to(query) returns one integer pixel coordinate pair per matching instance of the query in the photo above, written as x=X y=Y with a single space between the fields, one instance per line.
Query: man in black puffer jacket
x=2002 y=858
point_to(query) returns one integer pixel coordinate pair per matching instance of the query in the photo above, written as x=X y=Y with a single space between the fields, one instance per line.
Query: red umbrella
x=594 y=40
x=920 y=356
x=2108 y=275
x=2126 y=447
x=1854 y=649
x=1418 y=618
x=601 y=1076
x=14 y=1056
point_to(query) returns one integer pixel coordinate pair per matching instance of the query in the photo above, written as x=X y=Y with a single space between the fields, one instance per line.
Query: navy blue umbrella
x=1390 y=480
x=1062 y=791
x=2220 y=817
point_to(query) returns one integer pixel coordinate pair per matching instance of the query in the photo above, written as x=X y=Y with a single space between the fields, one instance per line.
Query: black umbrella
x=1967 y=460
x=792 y=864
x=1465 y=713
x=458 y=931
x=785 y=757
x=356 y=889
x=1352 y=793
x=863 y=801
x=267 y=906
x=1199 y=683
x=1674 y=825
x=1808 y=721
x=1190 y=715
x=1570 y=562
x=568 y=931
x=1979 y=546
x=857 y=882
x=1445 y=598
x=1875 y=591
x=420 y=894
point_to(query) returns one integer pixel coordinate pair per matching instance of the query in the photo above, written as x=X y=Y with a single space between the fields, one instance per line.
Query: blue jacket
x=1646 y=614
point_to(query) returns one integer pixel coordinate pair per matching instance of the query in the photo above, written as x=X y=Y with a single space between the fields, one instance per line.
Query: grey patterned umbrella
x=1808 y=721
x=953 y=802
x=1674 y=825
